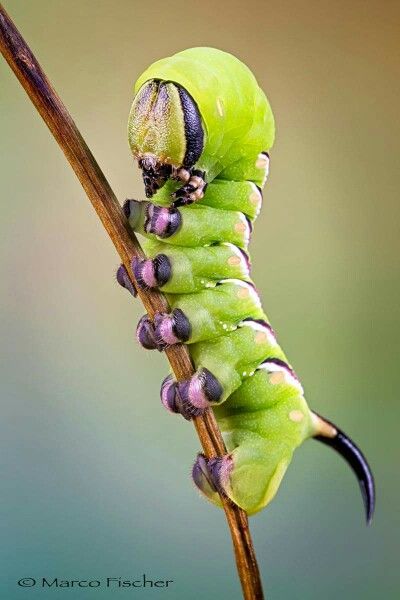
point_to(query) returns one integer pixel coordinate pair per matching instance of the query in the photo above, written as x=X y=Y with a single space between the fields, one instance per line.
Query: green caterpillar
x=201 y=129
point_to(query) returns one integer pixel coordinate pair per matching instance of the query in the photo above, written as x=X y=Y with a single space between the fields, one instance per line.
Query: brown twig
x=34 y=81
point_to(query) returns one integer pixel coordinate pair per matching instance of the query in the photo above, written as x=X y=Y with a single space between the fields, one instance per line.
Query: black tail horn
x=330 y=435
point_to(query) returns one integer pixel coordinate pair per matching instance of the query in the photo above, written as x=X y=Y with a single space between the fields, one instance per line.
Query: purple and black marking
x=211 y=475
x=193 y=396
x=152 y=272
x=125 y=281
x=166 y=329
x=161 y=220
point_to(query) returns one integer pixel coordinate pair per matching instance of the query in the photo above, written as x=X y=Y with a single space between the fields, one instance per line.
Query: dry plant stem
x=34 y=81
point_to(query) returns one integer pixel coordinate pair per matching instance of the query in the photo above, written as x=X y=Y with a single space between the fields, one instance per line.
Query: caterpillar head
x=165 y=132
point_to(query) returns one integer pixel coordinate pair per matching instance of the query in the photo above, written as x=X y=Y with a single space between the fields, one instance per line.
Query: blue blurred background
x=95 y=474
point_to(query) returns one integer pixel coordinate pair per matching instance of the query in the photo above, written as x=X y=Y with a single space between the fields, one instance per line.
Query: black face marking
x=193 y=128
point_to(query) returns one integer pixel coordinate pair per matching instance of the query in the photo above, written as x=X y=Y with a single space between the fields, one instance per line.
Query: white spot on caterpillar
x=262 y=161
x=254 y=197
x=277 y=377
x=236 y=252
x=296 y=416
x=240 y=227
x=246 y=290
x=280 y=374
x=244 y=373
x=242 y=293
x=243 y=227
x=220 y=107
x=233 y=261
x=261 y=337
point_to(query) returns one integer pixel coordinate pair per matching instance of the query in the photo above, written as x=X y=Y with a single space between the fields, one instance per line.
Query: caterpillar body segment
x=188 y=226
x=201 y=130
x=210 y=313
x=190 y=270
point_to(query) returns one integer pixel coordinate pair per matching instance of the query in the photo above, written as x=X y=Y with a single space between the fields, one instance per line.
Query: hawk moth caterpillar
x=201 y=130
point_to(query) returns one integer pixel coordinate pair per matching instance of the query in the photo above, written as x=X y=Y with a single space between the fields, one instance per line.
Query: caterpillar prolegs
x=201 y=130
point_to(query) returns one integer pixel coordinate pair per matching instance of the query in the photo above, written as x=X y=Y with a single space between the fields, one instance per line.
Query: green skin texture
x=262 y=414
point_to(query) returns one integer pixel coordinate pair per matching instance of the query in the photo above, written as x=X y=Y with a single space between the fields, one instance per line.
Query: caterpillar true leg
x=193 y=190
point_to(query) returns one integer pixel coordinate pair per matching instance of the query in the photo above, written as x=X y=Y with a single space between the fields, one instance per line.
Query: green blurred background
x=95 y=474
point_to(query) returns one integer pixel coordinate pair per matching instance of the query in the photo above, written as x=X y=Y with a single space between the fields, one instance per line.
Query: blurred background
x=95 y=474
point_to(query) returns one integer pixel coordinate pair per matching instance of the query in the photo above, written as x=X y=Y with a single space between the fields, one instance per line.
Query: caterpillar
x=201 y=130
